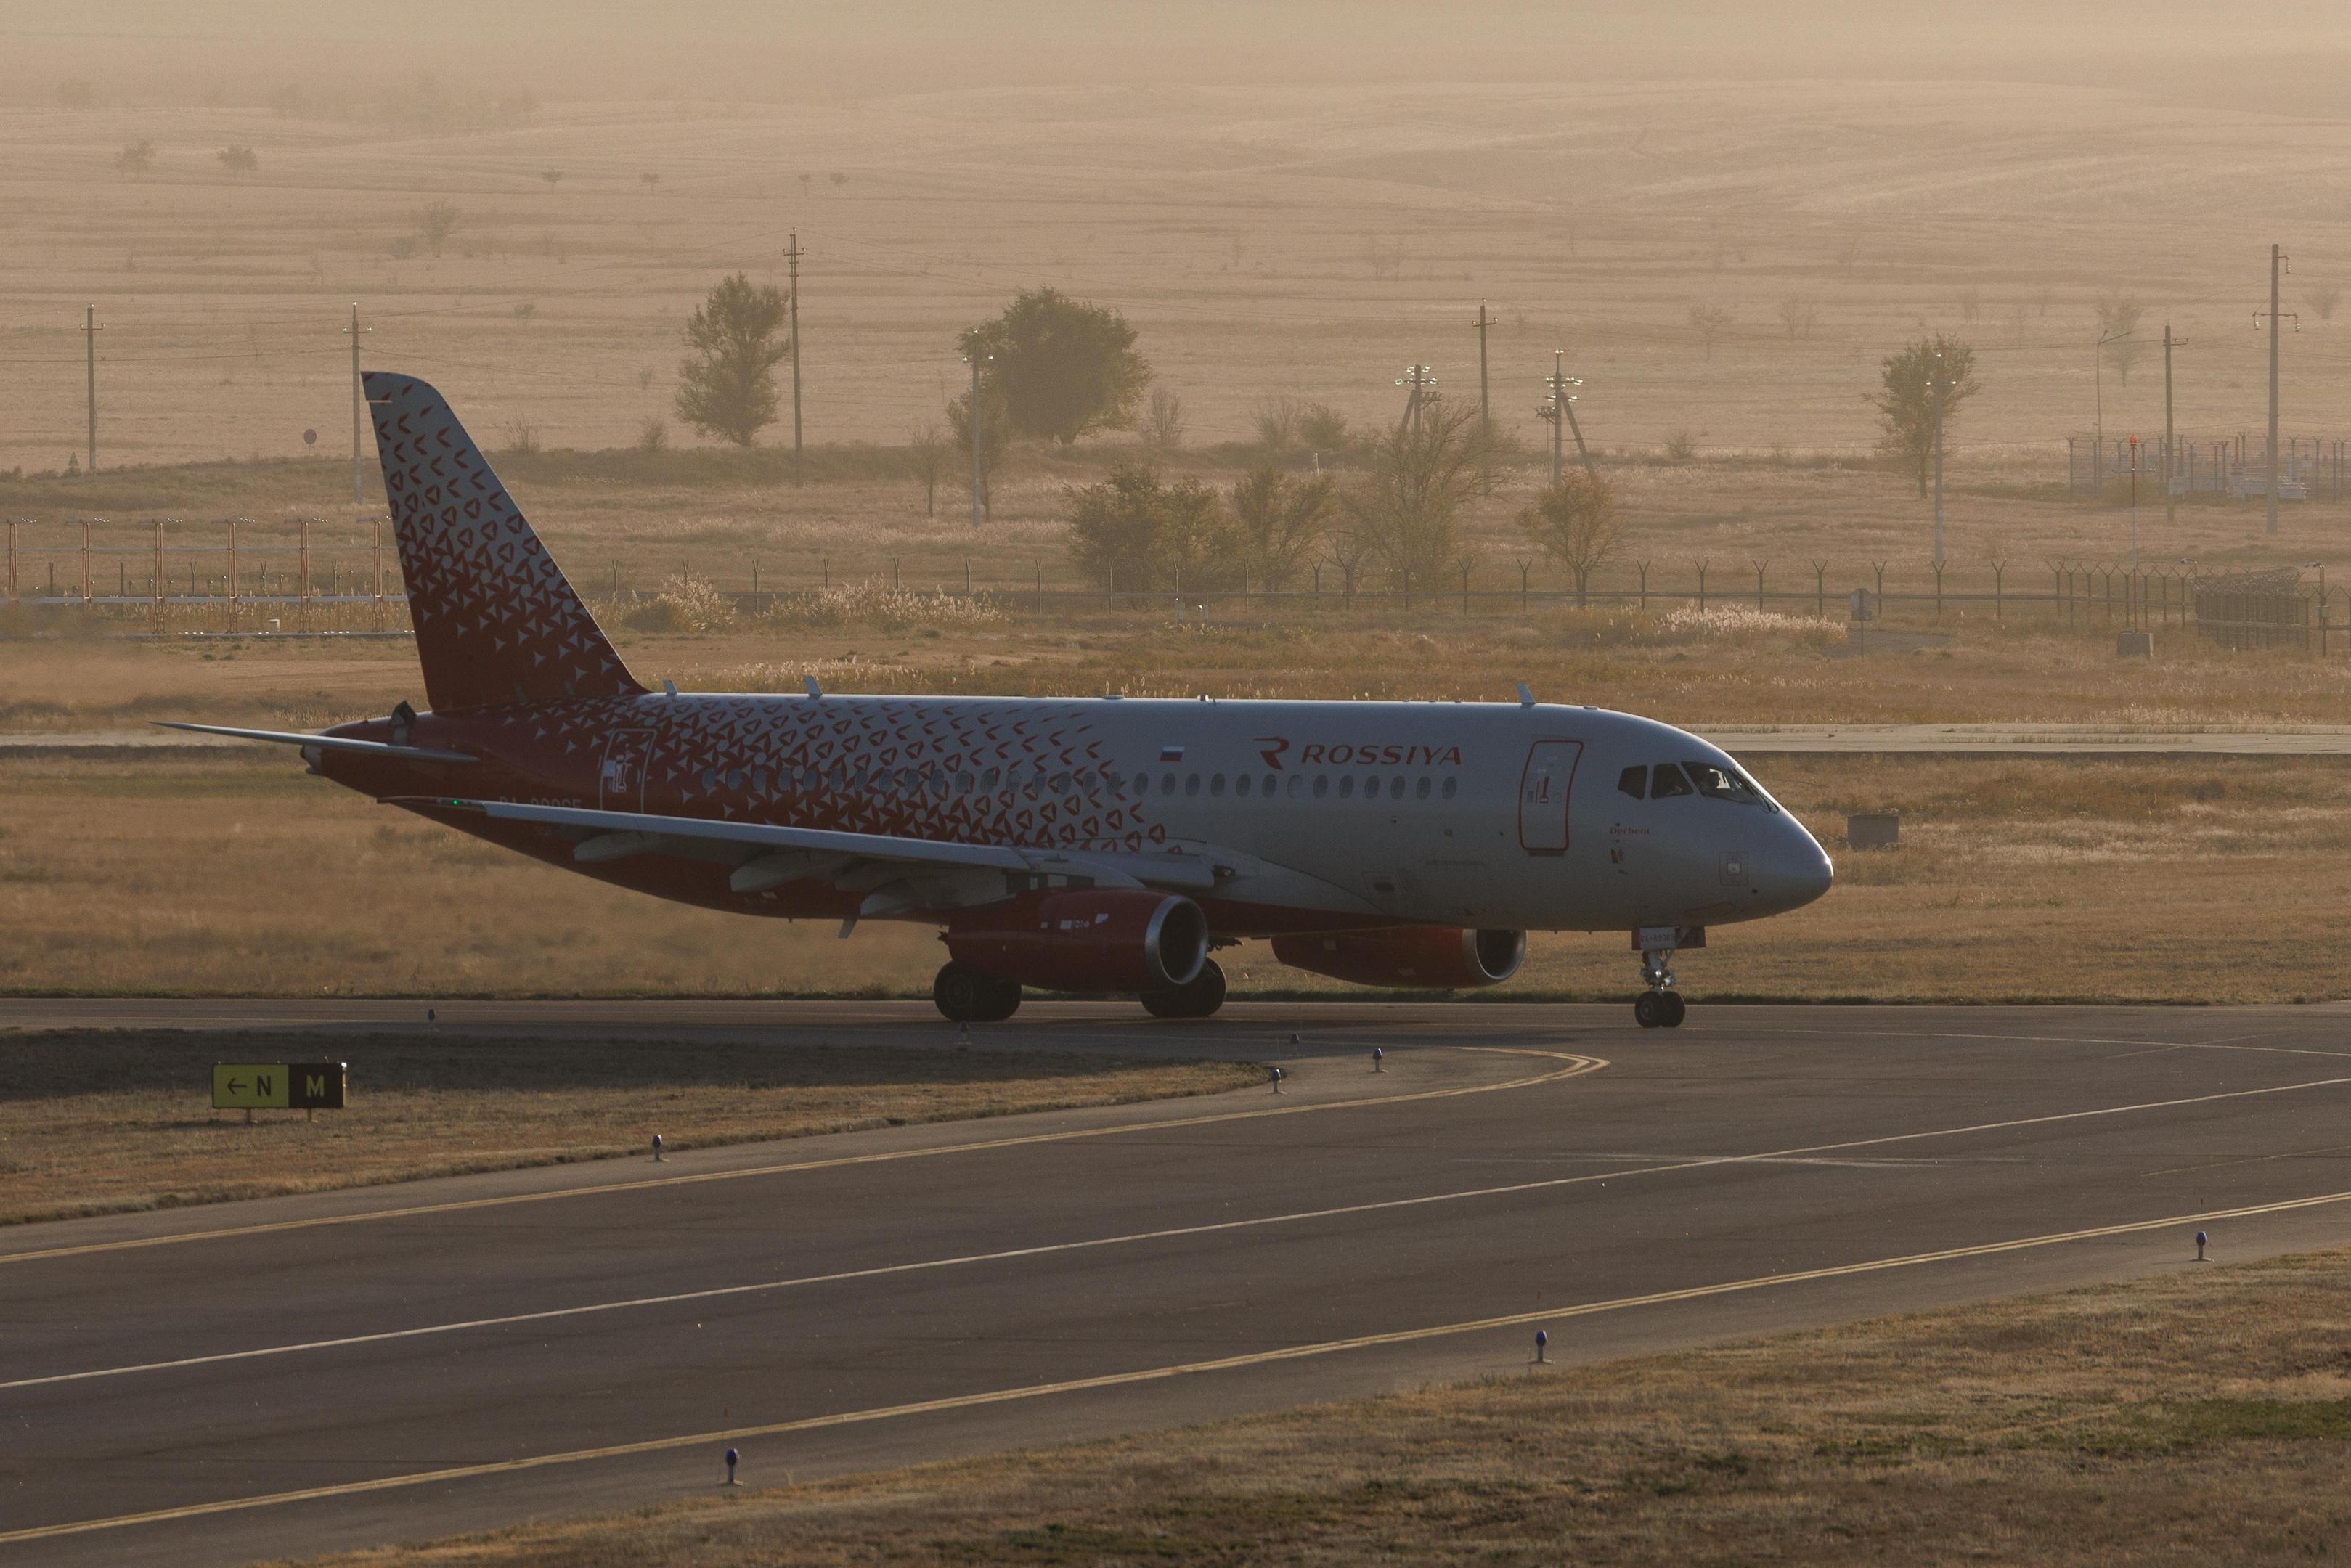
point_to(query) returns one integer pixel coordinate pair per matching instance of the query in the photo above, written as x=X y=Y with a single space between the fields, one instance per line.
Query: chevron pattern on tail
x=496 y=622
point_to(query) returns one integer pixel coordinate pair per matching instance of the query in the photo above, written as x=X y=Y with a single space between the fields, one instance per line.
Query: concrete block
x=1873 y=829
x=2135 y=645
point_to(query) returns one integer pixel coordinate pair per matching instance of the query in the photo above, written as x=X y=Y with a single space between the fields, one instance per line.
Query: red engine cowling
x=1432 y=957
x=1085 y=939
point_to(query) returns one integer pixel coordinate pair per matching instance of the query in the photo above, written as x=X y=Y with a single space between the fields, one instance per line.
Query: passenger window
x=1142 y=784
x=1192 y=784
x=1216 y=785
x=1168 y=783
x=1346 y=786
x=1321 y=785
x=990 y=780
x=1060 y=785
x=963 y=783
x=1241 y=786
x=1723 y=783
x=1634 y=781
x=1420 y=790
x=1272 y=783
x=1452 y=786
x=1396 y=788
x=1298 y=786
x=1666 y=779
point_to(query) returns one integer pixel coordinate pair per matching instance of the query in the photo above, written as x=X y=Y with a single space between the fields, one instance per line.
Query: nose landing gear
x=1659 y=1007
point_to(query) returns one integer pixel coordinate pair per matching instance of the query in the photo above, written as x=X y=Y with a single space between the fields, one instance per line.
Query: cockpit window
x=1634 y=781
x=1666 y=779
x=1724 y=784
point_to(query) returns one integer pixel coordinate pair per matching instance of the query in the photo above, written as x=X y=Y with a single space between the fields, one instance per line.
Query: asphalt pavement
x=298 y=1375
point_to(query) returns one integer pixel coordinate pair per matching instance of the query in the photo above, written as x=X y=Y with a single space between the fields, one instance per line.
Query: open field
x=423 y=1105
x=230 y=872
x=2190 y=1416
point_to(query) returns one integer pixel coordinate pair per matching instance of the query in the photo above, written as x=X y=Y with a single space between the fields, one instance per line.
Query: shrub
x=682 y=603
x=875 y=604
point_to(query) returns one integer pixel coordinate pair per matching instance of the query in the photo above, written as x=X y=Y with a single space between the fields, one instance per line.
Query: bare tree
x=136 y=157
x=649 y=180
x=1408 y=503
x=1798 y=317
x=238 y=160
x=926 y=454
x=2322 y=299
x=1163 y=419
x=1710 y=322
x=1347 y=544
x=1575 y=523
x=1280 y=521
x=2118 y=317
x=839 y=180
x=1277 y=423
x=437 y=221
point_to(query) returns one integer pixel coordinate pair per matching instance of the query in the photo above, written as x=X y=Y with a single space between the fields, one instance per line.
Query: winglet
x=1525 y=697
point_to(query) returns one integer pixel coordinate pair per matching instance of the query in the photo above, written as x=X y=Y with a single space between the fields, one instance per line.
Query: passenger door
x=1543 y=796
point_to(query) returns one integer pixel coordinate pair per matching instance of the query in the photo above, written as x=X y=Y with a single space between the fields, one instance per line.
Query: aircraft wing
x=651 y=833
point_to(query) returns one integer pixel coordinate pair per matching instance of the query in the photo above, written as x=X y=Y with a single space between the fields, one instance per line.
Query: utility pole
x=1485 y=408
x=2170 y=439
x=977 y=426
x=90 y=331
x=1561 y=410
x=359 y=405
x=1423 y=384
x=792 y=258
x=1938 y=459
x=2277 y=264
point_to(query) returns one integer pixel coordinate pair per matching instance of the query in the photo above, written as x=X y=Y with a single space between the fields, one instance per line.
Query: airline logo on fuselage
x=1321 y=754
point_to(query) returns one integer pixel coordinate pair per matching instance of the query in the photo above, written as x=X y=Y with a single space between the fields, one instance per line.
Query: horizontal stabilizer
x=324 y=742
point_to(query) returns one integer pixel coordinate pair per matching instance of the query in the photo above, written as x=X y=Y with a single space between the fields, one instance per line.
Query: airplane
x=1093 y=845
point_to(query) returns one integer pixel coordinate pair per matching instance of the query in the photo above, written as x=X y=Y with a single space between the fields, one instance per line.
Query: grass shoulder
x=96 y=1122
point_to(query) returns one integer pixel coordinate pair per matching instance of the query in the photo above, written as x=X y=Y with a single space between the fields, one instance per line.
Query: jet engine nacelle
x=1086 y=939
x=1431 y=957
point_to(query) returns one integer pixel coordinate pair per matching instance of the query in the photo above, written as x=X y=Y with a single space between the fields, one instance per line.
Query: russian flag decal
x=1171 y=754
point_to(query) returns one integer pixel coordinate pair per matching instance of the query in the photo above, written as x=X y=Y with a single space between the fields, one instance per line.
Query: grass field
x=2188 y=1417
x=235 y=874
x=423 y=1104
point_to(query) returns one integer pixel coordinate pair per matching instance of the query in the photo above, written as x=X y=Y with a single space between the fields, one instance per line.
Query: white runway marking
x=1155 y=1374
x=1809 y=1154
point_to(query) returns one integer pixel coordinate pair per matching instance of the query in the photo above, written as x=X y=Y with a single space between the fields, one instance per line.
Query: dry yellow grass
x=2190 y=1417
x=233 y=874
x=425 y=1105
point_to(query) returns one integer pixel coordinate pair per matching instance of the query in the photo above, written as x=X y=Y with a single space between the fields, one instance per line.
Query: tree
x=1066 y=367
x=1799 y=316
x=2322 y=299
x=1906 y=399
x=1575 y=523
x=1133 y=534
x=805 y=185
x=926 y=455
x=136 y=157
x=839 y=180
x=725 y=387
x=995 y=435
x=1162 y=422
x=1710 y=322
x=1419 y=476
x=438 y=220
x=238 y=160
x=1321 y=427
x=1278 y=521
x=649 y=180
x=2118 y=316
x=553 y=177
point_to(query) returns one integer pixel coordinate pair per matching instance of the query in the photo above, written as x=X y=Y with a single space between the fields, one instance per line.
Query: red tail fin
x=495 y=620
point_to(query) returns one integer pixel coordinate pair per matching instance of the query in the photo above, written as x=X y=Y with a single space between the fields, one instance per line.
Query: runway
x=300 y=1374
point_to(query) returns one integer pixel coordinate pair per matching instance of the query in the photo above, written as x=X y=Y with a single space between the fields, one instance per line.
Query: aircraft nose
x=1795 y=870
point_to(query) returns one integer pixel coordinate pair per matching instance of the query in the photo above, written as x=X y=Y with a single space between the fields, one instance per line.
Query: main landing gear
x=966 y=996
x=1203 y=996
x=1659 y=1007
